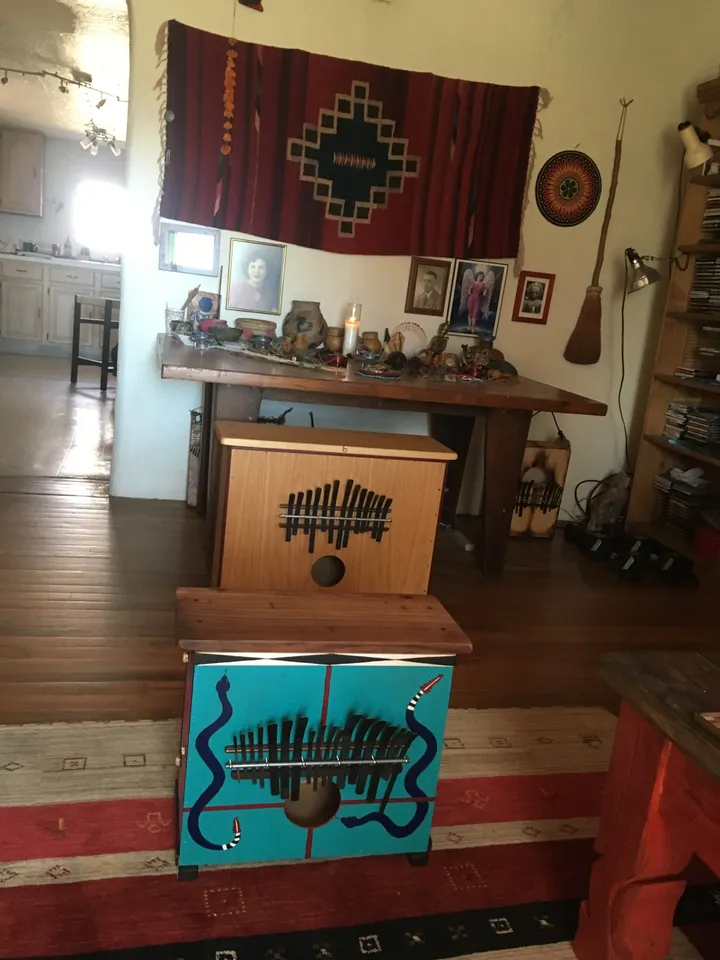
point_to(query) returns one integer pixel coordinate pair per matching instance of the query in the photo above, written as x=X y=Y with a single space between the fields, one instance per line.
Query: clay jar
x=371 y=341
x=334 y=339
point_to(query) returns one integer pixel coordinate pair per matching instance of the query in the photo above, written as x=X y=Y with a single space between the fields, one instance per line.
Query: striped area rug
x=87 y=861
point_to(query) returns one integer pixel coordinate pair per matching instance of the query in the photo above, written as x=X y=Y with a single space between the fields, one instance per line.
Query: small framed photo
x=427 y=287
x=255 y=276
x=532 y=300
x=477 y=294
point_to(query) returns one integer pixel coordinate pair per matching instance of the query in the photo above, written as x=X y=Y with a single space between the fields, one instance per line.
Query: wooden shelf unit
x=679 y=336
x=687 y=383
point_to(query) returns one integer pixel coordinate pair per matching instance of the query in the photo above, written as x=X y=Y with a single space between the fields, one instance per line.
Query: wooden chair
x=85 y=307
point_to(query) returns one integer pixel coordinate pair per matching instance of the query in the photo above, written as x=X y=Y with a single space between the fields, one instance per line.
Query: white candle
x=352 y=329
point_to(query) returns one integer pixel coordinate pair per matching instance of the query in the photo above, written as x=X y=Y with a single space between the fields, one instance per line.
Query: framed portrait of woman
x=477 y=294
x=255 y=276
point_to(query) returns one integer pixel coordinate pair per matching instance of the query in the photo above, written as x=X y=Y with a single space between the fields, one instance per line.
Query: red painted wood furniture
x=661 y=805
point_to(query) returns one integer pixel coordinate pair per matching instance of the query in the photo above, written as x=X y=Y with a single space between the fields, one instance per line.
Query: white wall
x=66 y=166
x=587 y=53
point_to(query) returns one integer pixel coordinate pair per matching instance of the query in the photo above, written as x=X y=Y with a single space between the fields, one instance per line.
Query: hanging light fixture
x=86 y=142
x=94 y=147
x=114 y=148
x=5 y=79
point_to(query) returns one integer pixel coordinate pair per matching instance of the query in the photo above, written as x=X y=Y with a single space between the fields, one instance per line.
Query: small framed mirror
x=185 y=248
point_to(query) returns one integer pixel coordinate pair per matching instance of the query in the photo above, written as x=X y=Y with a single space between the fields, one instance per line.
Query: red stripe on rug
x=124 y=826
x=552 y=796
x=142 y=911
x=86 y=829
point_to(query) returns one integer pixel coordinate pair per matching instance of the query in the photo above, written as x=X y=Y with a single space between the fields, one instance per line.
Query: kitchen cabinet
x=22 y=165
x=61 y=313
x=22 y=315
x=37 y=305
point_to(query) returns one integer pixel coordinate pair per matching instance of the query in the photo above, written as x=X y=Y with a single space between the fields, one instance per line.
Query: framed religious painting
x=255 y=276
x=477 y=294
x=532 y=300
x=427 y=286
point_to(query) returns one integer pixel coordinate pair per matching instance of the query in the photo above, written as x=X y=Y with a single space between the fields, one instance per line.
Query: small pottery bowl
x=261 y=342
x=228 y=334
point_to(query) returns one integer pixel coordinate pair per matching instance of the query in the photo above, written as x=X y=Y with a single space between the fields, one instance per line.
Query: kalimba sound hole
x=327 y=571
x=313 y=808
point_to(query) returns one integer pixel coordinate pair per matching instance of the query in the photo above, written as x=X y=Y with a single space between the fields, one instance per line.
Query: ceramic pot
x=334 y=339
x=371 y=342
x=305 y=320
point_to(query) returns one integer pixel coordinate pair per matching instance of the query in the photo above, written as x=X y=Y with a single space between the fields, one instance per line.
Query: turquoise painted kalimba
x=313 y=727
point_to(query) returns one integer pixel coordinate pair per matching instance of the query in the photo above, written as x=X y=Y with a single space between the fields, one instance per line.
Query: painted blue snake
x=202 y=745
x=411 y=777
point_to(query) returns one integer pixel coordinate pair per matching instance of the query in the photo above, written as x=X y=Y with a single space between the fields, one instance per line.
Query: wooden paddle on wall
x=585 y=343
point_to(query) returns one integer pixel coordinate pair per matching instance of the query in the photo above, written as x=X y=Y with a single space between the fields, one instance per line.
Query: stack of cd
x=711 y=217
x=676 y=419
x=703 y=425
x=705 y=293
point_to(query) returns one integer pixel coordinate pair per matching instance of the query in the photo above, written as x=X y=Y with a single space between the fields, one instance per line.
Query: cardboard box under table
x=303 y=509
x=313 y=724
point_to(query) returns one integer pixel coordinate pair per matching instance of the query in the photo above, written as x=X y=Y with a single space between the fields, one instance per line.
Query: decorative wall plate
x=568 y=188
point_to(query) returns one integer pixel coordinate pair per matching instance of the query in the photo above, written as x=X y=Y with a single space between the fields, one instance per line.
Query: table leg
x=455 y=433
x=505 y=439
x=634 y=886
x=226 y=403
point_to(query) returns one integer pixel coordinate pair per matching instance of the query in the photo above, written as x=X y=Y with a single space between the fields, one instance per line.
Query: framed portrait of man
x=255 y=276
x=427 y=286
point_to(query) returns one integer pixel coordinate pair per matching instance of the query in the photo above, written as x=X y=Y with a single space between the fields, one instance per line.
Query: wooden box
x=312 y=509
x=313 y=726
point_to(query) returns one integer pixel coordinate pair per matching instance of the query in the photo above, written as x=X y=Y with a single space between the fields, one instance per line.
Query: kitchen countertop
x=63 y=261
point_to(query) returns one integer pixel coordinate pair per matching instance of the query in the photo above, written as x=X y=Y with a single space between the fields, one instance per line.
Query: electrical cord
x=622 y=370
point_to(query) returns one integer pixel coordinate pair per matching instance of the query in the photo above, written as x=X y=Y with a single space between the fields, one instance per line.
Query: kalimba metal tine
x=383 y=745
x=309 y=754
x=319 y=754
x=285 y=733
x=359 y=511
x=261 y=752
x=351 y=515
x=288 y=519
x=298 y=511
x=384 y=513
x=340 y=538
x=376 y=514
x=243 y=755
x=272 y=729
x=370 y=503
x=308 y=511
x=251 y=753
x=324 y=511
x=330 y=750
x=345 y=746
x=300 y=727
x=357 y=747
x=313 y=520
x=369 y=747
x=333 y=507
x=392 y=751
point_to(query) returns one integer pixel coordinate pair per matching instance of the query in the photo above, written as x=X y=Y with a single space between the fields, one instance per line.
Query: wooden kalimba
x=306 y=509
x=313 y=725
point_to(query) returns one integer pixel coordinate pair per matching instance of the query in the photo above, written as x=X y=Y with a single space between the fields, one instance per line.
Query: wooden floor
x=87 y=611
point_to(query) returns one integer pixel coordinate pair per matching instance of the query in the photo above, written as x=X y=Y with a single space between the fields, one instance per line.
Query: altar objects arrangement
x=313 y=726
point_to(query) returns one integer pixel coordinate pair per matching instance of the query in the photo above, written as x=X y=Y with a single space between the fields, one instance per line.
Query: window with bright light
x=188 y=249
x=100 y=217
